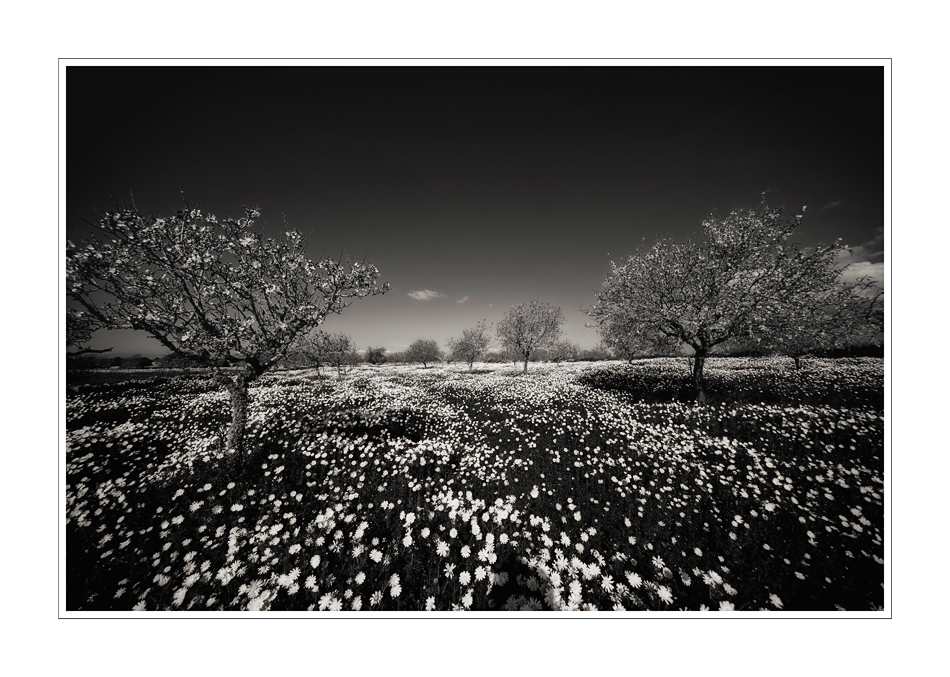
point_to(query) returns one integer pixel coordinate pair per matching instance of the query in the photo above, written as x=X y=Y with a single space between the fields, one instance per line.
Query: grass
x=577 y=486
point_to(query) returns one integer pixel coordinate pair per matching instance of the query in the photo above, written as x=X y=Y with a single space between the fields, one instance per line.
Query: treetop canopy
x=208 y=287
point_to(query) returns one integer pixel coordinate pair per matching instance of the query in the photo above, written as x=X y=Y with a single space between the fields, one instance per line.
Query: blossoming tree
x=375 y=355
x=841 y=315
x=424 y=351
x=472 y=345
x=79 y=330
x=562 y=351
x=741 y=279
x=211 y=289
x=528 y=327
x=628 y=338
x=320 y=348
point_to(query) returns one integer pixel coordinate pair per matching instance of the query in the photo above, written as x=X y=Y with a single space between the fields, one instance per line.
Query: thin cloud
x=463 y=299
x=871 y=251
x=863 y=269
x=425 y=295
x=864 y=261
x=833 y=204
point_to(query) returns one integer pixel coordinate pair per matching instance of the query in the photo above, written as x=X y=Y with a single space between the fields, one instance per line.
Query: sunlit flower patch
x=571 y=488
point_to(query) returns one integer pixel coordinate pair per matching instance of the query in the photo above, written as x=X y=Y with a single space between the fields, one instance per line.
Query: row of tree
x=218 y=292
x=320 y=349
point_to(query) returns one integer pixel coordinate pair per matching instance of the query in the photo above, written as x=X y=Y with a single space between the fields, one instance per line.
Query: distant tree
x=175 y=361
x=836 y=317
x=424 y=351
x=502 y=356
x=136 y=362
x=472 y=345
x=530 y=326
x=564 y=350
x=376 y=355
x=742 y=277
x=599 y=352
x=295 y=360
x=624 y=341
x=628 y=338
x=323 y=349
x=81 y=361
x=211 y=290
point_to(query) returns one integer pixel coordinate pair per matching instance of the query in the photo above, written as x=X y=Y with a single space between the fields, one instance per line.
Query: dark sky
x=487 y=185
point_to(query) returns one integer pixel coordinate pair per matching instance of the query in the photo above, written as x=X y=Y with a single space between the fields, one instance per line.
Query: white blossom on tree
x=212 y=289
x=323 y=349
x=424 y=351
x=376 y=355
x=629 y=338
x=842 y=315
x=528 y=327
x=80 y=327
x=742 y=277
x=472 y=345
x=563 y=350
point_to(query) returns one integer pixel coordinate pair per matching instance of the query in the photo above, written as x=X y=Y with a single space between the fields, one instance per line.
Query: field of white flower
x=399 y=488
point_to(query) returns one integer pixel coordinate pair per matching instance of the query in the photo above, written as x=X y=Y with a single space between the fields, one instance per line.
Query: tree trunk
x=237 y=387
x=699 y=359
x=525 y=366
x=339 y=373
x=798 y=362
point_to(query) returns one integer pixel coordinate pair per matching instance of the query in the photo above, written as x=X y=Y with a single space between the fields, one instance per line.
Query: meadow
x=574 y=487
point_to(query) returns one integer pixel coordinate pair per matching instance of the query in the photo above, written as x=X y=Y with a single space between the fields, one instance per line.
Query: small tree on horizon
x=528 y=327
x=424 y=351
x=375 y=355
x=211 y=290
x=628 y=338
x=335 y=350
x=832 y=318
x=564 y=350
x=472 y=345
x=599 y=352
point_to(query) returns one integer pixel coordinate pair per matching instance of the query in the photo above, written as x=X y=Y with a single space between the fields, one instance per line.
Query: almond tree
x=214 y=290
x=528 y=327
x=472 y=345
x=740 y=278
x=510 y=353
x=321 y=348
x=375 y=355
x=424 y=351
x=629 y=338
x=841 y=315
x=563 y=350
